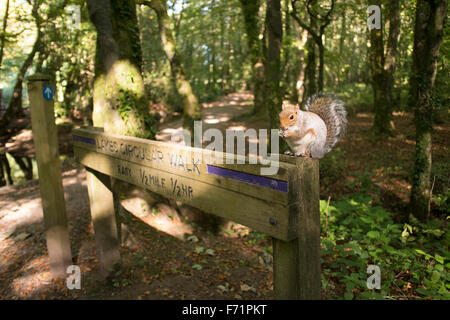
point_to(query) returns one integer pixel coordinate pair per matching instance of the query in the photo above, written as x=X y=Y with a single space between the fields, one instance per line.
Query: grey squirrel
x=314 y=132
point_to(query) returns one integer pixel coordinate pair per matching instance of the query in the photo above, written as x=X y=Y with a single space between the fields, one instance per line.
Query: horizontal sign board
x=234 y=191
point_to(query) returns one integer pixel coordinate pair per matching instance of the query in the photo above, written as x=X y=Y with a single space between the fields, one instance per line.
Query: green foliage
x=125 y=103
x=362 y=182
x=211 y=41
x=332 y=166
x=16 y=173
x=119 y=279
x=357 y=97
x=440 y=174
x=413 y=258
x=441 y=99
x=442 y=202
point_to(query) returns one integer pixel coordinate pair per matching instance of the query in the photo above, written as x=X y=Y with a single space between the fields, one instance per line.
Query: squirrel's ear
x=296 y=108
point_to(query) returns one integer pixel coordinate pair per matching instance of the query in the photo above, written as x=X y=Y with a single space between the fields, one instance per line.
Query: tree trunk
x=2 y=177
x=191 y=106
x=15 y=108
x=3 y=36
x=250 y=10
x=320 y=79
x=5 y=169
x=311 y=67
x=381 y=125
x=393 y=17
x=316 y=30
x=343 y=34
x=428 y=33
x=272 y=68
x=286 y=65
x=25 y=165
x=120 y=104
x=298 y=70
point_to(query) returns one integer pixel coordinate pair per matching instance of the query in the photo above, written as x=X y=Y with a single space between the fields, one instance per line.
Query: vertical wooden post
x=104 y=218
x=45 y=137
x=296 y=271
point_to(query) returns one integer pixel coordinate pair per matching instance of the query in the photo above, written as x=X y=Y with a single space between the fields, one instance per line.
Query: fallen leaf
x=222 y=288
x=22 y=236
x=192 y=238
x=245 y=288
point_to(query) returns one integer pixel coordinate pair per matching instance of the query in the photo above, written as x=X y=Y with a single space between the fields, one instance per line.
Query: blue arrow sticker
x=47 y=92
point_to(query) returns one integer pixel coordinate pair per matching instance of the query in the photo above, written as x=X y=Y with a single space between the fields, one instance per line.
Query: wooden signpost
x=284 y=206
x=49 y=166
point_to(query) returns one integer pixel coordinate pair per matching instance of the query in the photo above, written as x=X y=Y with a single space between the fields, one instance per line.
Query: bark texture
x=250 y=10
x=191 y=106
x=119 y=99
x=428 y=33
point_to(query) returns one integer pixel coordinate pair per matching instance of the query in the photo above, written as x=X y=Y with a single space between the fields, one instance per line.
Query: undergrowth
x=413 y=258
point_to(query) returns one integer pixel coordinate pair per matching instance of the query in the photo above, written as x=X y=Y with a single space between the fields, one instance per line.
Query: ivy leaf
x=373 y=234
x=439 y=258
x=435 y=276
x=199 y=249
x=348 y=296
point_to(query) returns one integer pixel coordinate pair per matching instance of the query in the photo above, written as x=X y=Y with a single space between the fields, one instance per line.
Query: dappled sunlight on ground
x=166 y=254
x=223 y=115
x=166 y=132
x=159 y=216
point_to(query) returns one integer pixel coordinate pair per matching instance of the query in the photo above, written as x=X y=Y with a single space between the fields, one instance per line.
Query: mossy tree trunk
x=381 y=102
x=316 y=30
x=3 y=34
x=15 y=107
x=120 y=104
x=272 y=67
x=5 y=169
x=382 y=69
x=298 y=66
x=311 y=66
x=393 y=17
x=250 y=10
x=428 y=33
x=191 y=106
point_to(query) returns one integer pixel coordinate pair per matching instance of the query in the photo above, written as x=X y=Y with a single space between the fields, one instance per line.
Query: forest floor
x=175 y=254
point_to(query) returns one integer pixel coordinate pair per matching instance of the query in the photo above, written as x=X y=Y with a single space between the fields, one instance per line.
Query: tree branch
x=311 y=31
x=326 y=18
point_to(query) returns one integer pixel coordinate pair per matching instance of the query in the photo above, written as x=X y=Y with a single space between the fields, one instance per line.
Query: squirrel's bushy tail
x=333 y=113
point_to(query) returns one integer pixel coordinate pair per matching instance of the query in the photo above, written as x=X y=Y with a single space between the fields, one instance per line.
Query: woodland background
x=140 y=67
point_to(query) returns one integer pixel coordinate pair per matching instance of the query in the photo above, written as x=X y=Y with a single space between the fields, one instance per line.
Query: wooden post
x=45 y=139
x=284 y=206
x=296 y=271
x=104 y=218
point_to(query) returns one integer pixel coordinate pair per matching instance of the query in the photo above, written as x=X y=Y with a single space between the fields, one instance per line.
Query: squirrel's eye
x=291 y=117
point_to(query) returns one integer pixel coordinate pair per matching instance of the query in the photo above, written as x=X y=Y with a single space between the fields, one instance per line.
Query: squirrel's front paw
x=288 y=153
x=302 y=154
